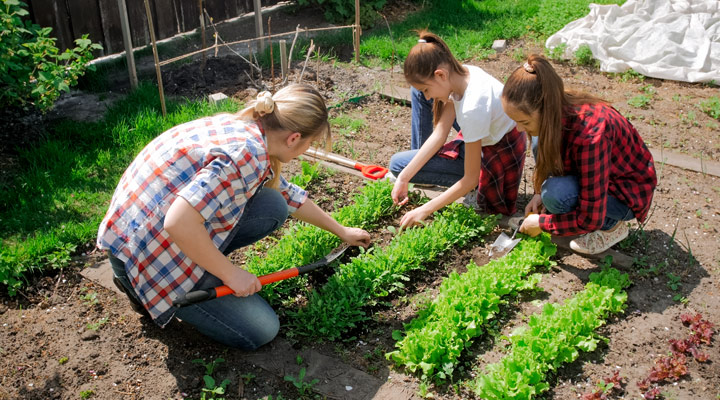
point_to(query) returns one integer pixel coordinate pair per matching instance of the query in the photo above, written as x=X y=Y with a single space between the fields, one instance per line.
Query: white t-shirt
x=479 y=112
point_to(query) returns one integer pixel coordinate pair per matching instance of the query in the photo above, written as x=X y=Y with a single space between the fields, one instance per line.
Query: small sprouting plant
x=519 y=54
x=673 y=281
x=89 y=299
x=711 y=107
x=211 y=388
x=93 y=326
x=304 y=388
x=63 y=360
x=309 y=172
x=640 y=101
x=299 y=359
x=247 y=378
x=584 y=56
x=631 y=75
x=557 y=53
x=86 y=394
x=210 y=366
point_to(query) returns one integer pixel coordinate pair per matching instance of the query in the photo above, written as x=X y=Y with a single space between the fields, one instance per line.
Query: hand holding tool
x=197 y=296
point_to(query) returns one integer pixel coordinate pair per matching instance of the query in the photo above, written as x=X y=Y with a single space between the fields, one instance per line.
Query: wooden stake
x=272 y=59
x=357 y=31
x=155 y=55
x=127 y=40
x=202 y=29
x=283 y=59
x=259 y=24
x=307 y=57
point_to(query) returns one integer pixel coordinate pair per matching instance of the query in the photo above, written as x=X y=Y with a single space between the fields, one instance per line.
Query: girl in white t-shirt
x=488 y=153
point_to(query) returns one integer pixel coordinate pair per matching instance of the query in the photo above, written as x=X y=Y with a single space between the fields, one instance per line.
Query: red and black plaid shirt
x=609 y=157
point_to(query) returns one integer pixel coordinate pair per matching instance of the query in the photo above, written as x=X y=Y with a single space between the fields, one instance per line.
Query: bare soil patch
x=50 y=350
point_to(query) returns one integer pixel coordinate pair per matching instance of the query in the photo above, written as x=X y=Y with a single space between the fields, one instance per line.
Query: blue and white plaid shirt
x=216 y=164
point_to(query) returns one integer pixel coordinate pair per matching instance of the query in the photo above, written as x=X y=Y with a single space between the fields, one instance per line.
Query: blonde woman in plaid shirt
x=203 y=189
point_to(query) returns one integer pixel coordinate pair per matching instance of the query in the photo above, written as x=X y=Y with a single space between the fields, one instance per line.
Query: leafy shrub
x=36 y=70
x=344 y=10
x=584 y=56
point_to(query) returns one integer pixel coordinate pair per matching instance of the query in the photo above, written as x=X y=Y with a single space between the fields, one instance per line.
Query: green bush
x=344 y=10
x=36 y=70
x=584 y=56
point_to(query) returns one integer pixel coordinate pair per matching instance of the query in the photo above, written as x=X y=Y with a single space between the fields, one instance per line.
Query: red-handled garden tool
x=197 y=296
x=368 y=171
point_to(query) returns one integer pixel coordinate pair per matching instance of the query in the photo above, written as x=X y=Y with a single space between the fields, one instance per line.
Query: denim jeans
x=242 y=322
x=438 y=170
x=560 y=195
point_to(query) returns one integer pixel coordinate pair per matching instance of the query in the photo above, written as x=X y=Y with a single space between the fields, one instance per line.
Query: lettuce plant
x=303 y=243
x=552 y=338
x=434 y=340
x=343 y=303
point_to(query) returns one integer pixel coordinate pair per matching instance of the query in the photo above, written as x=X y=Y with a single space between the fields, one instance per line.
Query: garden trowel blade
x=504 y=243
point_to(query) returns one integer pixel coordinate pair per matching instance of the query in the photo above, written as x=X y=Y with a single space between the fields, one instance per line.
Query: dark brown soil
x=50 y=351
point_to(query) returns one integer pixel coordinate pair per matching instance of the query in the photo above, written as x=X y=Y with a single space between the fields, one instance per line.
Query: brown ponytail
x=536 y=86
x=429 y=54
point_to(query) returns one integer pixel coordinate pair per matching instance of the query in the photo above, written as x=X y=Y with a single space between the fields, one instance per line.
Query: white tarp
x=667 y=39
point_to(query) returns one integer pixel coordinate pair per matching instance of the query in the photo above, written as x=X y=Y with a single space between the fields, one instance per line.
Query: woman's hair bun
x=264 y=103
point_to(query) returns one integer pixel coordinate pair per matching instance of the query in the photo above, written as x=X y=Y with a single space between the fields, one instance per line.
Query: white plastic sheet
x=667 y=39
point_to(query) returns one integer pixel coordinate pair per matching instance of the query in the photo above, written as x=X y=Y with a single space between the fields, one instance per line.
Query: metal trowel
x=505 y=243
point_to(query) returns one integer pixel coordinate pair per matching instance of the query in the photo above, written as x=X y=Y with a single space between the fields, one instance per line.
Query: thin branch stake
x=292 y=46
x=307 y=57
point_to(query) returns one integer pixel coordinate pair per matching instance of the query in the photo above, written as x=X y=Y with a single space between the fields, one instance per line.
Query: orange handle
x=371 y=171
x=278 y=276
x=223 y=290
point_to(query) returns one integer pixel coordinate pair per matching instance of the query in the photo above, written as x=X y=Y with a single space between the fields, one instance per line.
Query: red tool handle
x=371 y=171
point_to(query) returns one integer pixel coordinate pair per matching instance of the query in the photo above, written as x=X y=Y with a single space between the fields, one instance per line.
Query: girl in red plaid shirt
x=488 y=153
x=593 y=170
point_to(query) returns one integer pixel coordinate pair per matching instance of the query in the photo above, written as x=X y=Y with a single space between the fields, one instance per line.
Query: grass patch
x=469 y=27
x=61 y=189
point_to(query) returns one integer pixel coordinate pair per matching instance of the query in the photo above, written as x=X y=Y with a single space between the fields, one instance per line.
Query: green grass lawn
x=62 y=187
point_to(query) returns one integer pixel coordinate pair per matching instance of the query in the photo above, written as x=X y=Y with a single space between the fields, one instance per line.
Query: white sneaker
x=599 y=241
x=389 y=176
x=514 y=222
x=470 y=200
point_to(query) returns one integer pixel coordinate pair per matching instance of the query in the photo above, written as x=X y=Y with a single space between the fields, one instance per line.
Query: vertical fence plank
x=190 y=15
x=165 y=16
x=85 y=17
x=138 y=22
x=54 y=14
x=110 y=21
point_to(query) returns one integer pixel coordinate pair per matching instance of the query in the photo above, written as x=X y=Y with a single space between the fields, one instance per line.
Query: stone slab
x=101 y=273
x=395 y=93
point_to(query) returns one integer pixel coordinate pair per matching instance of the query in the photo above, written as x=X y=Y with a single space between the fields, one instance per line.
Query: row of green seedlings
x=553 y=338
x=345 y=301
x=434 y=341
x=303 y=243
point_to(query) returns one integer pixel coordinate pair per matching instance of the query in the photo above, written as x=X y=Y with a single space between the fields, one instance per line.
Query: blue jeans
x=560 y=195
x=438 y=170
x=242 y=322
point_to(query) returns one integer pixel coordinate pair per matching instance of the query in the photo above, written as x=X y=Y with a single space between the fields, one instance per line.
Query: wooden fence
x=70 y=19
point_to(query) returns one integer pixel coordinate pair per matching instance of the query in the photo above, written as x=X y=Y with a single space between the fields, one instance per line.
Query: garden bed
x=64 y=336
